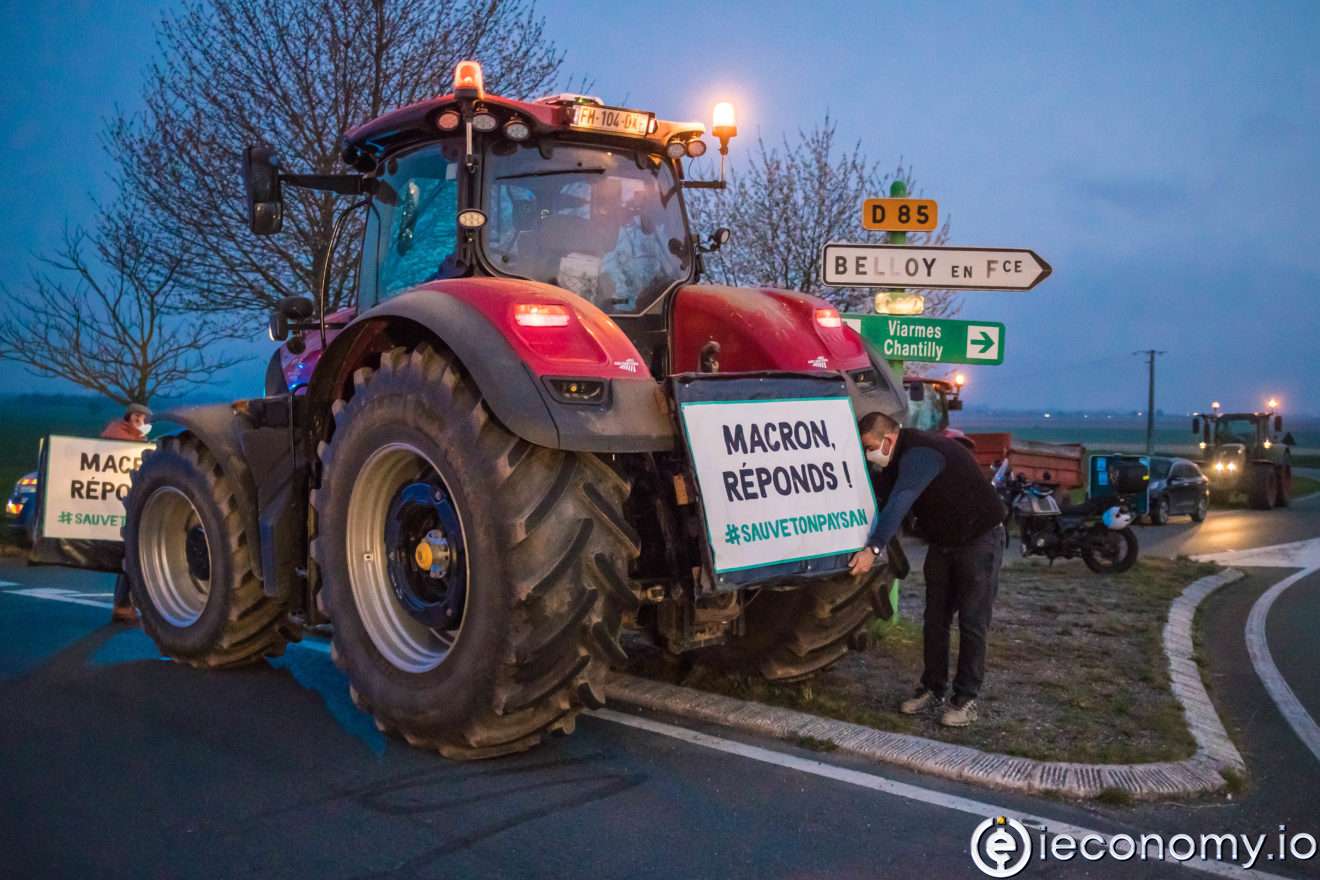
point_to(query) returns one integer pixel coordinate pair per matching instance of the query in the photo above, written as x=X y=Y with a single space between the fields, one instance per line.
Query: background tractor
x=510 y=447
x=931 y=400
x=1246 y=453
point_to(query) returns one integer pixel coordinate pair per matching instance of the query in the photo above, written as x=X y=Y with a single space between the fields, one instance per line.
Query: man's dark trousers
x=962 y=580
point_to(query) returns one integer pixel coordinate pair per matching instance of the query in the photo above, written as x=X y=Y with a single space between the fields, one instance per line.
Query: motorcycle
x=1098 y=530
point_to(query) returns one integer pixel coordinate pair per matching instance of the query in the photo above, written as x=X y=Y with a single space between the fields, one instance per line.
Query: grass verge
x=1076 y=669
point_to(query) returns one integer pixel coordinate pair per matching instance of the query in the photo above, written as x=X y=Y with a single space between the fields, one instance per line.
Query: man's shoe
x=920 y=701
x=124 y=614
x=961 y=712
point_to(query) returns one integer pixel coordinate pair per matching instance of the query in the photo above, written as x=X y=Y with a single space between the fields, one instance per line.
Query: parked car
x=1177 y=486
x=20 y=509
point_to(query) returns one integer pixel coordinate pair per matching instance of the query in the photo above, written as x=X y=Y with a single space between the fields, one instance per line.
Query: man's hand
x=862 y=561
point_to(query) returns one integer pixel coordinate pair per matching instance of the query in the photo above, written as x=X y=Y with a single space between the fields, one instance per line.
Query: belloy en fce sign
x=960 y=268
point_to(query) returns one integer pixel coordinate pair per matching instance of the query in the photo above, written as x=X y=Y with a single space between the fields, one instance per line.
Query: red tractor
x=534 y=428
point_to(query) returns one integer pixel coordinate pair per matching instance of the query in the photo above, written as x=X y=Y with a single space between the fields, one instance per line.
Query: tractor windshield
x=931 y=413
x=605 y=224
x=1235 y=430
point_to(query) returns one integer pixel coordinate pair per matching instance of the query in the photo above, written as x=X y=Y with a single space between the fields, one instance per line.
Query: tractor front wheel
x=188 y=564
x=1264 y=485
x=793 y=634
x=475 y=581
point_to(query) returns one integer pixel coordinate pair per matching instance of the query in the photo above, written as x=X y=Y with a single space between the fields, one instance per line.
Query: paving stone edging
x=1199 y=774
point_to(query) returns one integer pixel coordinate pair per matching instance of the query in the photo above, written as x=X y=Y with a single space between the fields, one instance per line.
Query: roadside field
x=29 y=417
x=1076 y=668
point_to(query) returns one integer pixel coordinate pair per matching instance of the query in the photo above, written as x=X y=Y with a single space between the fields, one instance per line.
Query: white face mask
x=880 y=457
x=145 y=428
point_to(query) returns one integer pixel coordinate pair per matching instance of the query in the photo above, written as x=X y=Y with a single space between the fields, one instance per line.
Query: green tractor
x=1244 y=453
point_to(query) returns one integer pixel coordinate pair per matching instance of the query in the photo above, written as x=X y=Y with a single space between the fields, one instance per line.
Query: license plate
x=614 y=120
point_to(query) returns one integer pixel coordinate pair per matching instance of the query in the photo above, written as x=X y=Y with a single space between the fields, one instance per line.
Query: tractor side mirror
x=1278 y=424
x=955 y=404
x=261 y=186
x=289 y=314
x=719 y=238
x=916 y=392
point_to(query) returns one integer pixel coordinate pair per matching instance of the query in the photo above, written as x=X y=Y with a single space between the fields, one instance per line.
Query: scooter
x=1097 y=530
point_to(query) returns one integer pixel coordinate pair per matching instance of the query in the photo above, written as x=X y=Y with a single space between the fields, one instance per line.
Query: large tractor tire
x=1264 y=485
x=1285 y=487
x=793 y=634
x=188 y=563
x=475 y=581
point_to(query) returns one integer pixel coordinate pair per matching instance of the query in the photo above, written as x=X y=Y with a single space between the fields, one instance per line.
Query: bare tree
x=101 y=315
x=788 y=203
x=295 y=74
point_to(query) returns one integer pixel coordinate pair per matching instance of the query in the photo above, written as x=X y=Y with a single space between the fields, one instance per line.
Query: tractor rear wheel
x=475 y=581
x=1285 y=487
x=188 y=564
x=1263 y=487
x=793 y=634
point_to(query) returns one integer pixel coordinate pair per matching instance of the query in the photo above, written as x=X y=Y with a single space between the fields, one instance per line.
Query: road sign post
x=950 y=268
x=932 y=340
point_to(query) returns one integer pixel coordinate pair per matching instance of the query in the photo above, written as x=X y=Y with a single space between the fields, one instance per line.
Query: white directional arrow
x=955 y=268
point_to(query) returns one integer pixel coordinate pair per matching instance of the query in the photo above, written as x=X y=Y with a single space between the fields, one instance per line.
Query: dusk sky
x=1162 y=157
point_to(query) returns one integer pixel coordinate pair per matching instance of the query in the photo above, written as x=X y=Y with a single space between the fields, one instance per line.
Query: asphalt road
x=1233 y=529
x=115 y=763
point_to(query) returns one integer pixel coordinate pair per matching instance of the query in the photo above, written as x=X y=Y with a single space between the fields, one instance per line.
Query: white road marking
x=980 y=809
x=1259 y=650
x=1297 y=554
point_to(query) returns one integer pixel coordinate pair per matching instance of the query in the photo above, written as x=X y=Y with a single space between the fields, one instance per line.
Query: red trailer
x=1056 y=464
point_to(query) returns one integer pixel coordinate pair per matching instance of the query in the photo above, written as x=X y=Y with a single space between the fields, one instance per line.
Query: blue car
x=21 y=508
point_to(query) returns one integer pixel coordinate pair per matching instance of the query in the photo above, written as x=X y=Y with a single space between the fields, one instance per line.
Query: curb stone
x=1202 y=773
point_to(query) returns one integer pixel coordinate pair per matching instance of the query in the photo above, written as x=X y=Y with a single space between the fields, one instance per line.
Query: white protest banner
x=84 y=485
x=780 y=480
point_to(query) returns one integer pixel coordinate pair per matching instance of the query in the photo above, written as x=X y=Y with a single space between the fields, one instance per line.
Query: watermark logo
x=1001 y=847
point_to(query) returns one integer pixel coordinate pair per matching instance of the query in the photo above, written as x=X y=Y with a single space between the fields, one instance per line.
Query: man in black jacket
x=960 y=514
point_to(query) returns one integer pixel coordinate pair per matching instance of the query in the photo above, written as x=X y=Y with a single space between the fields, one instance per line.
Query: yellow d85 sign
x=900 y=215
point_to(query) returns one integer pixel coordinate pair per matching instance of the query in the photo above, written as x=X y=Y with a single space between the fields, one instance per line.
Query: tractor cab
x=931 y=400
x=562 y=191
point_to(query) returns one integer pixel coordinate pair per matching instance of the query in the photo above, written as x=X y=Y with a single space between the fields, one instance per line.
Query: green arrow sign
x=932 y=340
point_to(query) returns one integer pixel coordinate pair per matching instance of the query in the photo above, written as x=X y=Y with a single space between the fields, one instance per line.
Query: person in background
x=960 y=514
x=134 y=426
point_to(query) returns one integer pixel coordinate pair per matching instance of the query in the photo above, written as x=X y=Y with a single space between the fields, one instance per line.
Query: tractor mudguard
x=473 y=318
x=252 y=442
x=219 y=427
